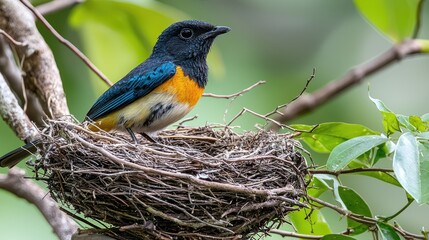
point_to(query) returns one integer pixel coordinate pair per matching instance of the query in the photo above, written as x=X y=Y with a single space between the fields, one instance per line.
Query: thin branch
x=180 y=124
x=56 y=5
x=78 y=218
x=234 y=95
x=14 y=182
x=400 y=210
x=293 y=234
x=244 y=110
x=68 y=44
x=363 y=219
x=309 y=102
x=93 y=236
x=202 y=236
x=276 y=110
x=40 y=71
x=199 y=138
x=348 y=171
x=10 y=39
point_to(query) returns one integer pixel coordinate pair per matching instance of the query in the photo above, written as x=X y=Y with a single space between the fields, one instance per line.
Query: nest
x=193 y=183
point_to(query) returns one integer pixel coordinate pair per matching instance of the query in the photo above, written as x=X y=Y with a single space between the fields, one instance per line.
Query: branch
x=400 y=210
x=40 y=71
x=56 y=5
x=365 y=220
x=10 y=39
x=234 y=95
x=68 y=44
x=14 y=182
x=309 y=102
x=270 y=120
x=293 y=234
x=13 y=114
x=348 y=171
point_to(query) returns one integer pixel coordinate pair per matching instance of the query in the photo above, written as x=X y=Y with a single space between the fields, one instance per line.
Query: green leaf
x=335 y=185
x=326 y=136
x=317 y=187
x=425 y=117
x=397 y=19
x=354 y=203
x=344 y=153
x=418 y=123
x=383 y=151
x=423 y=135
x=387 y=232
x=379 y=104
x=336 y=237
x=309 y=222
x=390 y=121
x=408 y=196
x=405 y=122
x=411 y=166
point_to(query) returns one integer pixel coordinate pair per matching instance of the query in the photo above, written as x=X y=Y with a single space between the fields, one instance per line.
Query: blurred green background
x=279 y=41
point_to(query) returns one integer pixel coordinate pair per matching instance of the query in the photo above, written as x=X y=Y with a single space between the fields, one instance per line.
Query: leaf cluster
x=356 y=149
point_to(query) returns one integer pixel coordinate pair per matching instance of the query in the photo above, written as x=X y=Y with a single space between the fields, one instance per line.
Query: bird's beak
x=218 y=30
x=221 y=30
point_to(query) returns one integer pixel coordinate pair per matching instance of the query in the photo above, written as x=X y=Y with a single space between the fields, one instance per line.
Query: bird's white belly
x=152 y=113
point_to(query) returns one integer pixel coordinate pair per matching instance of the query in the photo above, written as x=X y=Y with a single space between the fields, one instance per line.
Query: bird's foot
x=133 y=136
x=149 y=138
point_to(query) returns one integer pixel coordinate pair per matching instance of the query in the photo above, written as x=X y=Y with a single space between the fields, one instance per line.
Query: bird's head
x=187 y=40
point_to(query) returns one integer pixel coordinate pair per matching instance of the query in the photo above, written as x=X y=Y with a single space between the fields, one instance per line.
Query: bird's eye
x=186 y=33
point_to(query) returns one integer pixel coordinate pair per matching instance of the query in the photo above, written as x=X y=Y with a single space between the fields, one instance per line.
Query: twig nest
x=193 y=183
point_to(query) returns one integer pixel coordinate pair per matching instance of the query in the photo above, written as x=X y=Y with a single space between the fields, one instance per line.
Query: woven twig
x=193 y=183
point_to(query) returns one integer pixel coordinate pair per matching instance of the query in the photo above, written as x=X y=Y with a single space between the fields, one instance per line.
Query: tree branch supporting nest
x=15 y=183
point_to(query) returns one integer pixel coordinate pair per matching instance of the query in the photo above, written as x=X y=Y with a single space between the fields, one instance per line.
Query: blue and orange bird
x=156 y=93
x=162 y=89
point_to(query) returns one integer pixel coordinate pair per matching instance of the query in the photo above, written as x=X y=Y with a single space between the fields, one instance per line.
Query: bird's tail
x=15 y=156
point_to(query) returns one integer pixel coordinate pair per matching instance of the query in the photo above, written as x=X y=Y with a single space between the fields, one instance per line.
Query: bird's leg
x=149 y=138
x=132 y=135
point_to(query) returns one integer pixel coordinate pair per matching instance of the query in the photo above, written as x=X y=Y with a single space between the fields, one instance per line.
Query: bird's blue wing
x=136 y=84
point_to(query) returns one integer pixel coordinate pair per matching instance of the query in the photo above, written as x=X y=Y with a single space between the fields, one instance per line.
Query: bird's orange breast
x=185 y=90
x=180 y=92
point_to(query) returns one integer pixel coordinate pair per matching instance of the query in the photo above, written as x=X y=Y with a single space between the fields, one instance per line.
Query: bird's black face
x=188 y=40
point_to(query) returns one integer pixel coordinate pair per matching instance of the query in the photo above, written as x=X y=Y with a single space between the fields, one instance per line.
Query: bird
x=158 y=92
